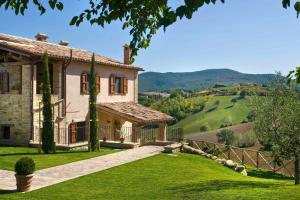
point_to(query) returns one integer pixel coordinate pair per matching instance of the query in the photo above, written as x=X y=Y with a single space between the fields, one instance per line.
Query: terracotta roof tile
x=135 y=111
x=56 y=51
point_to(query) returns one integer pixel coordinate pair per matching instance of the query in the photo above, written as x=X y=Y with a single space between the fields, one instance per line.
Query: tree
x=243 y=94
x=94 y=126
x=277 y=123
x=226 y=136
x=47 y=135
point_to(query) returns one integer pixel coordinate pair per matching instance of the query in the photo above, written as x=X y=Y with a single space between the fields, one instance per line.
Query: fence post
x=257 y=158
x=229 y=149
x=243 y=157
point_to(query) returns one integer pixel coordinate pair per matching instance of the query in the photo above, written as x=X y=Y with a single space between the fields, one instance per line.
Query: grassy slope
x=215 y=118
x=9 y=156
x=167 y=177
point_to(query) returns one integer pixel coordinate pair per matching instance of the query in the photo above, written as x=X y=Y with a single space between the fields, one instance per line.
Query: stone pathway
x=58 y=174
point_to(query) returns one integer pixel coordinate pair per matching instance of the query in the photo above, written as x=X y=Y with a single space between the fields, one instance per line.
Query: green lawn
x=167 y=177
x=9 y=156
x=225 y=113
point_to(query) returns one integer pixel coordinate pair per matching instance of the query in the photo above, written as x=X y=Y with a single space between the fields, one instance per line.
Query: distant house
x=21 y=76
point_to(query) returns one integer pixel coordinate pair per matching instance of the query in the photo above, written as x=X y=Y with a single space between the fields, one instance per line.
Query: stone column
x=163 y=131
x=24 y=133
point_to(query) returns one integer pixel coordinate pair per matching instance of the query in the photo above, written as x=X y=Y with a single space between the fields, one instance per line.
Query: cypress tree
x=94 y=127
x=47 y=134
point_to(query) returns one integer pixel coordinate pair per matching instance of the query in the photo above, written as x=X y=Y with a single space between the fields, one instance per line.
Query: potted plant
x=15 y=89
x=24 y=169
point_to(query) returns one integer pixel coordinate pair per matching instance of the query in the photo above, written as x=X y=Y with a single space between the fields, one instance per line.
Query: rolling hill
x=154 y=81
x=225 y=113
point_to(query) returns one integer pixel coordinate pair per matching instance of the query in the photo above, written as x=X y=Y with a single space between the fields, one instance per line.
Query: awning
x=135 y=112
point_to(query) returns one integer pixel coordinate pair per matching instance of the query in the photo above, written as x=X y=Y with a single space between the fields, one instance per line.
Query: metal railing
x=141 y=135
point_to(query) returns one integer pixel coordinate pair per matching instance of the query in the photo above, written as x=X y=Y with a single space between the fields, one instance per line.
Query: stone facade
x=15 y=111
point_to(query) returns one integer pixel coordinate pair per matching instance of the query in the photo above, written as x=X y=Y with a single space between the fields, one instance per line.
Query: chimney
x=127 y=54
x=63 y=43
x=41 y=37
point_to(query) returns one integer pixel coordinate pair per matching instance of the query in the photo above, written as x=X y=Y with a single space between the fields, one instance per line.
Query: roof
x=136 y=112
x=37 y=48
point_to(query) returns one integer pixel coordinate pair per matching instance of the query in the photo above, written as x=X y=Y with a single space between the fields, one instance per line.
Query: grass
x=212 y=116
x=9 y=156
x=182 y=176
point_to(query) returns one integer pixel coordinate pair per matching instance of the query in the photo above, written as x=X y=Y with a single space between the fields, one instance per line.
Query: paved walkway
x=58 y=174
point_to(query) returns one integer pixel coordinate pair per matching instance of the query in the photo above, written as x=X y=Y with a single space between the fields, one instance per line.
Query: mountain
x=155 y=81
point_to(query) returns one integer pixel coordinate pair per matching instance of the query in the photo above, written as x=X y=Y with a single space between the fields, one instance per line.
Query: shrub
x=243 y=94
x=203 y=128
x=245 y=140
x=234 y=100
x=24 y=166
x=214 y=151
x=217 y=102
x=226 y=136
x=251 y=116
x=244 y=121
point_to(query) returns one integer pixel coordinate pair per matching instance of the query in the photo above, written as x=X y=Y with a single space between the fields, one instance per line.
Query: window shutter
x=125 y=85
x=112 y=84
x=5 y=82
x=84 y=83
x=97 y=83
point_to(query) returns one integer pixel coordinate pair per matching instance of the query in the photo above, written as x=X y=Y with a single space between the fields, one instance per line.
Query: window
x=85 y=83
x=5 y=132
x=118 y=85
x=4 y=82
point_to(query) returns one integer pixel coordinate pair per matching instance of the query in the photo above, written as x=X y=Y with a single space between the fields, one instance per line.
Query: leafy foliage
x=94 y=127
x=245 y=140
x=20 y=6
x=226 y=136
x=179 y=107
x=24 y=166
x=48 y=134
x=277 y=123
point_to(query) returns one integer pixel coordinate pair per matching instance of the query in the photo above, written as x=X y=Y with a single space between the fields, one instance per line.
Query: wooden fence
x=248 y=157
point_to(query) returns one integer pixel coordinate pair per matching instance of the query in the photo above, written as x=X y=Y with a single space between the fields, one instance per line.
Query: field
x=210 y=136
x=176 y=176
x=214 y=116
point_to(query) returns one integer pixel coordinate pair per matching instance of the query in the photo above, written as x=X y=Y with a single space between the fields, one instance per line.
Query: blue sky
x=252 y=36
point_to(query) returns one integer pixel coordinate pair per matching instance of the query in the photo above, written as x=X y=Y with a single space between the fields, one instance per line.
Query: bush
x=203 y=128
x=243 y=94
x=244 y=121
x=24 y=166
x=245 y=140
x=234 y=100
x=226 y=136
x=214 y=151
x=251 y=116
x=217 y=102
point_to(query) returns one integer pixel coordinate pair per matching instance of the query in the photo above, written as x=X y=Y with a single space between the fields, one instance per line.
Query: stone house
x=21 y=76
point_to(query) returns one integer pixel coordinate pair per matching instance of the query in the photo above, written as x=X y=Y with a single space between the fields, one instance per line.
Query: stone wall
x=15 y=111
x=14 y=74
